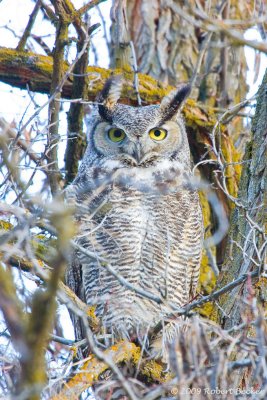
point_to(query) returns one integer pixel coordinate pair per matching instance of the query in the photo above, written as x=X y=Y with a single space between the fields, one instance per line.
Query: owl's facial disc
x=137 y=147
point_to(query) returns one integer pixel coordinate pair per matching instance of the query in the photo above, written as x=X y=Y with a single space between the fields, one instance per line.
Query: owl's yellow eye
x=158 y=134
x=116 y=135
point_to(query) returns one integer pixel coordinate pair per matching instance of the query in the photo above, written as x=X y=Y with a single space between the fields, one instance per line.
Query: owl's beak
x=138 y=154
x=141 y=157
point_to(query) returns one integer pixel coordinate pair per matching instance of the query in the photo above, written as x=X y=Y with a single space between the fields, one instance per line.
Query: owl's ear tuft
x=109 y=96
x=172 y=103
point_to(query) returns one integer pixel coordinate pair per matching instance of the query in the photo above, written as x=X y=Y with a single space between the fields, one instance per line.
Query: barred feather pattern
x=141 y=215
x=150 y=245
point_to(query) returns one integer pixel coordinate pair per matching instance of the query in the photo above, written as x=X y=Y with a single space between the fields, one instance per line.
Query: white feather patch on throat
x=147 y=178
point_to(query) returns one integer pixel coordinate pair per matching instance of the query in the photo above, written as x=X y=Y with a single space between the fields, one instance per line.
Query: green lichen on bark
x=5 y=225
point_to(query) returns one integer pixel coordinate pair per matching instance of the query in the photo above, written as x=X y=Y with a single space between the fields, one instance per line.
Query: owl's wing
x=195 y=233
x=90 y=186
x=185 y=229
x=87 y=193
x=73 y=279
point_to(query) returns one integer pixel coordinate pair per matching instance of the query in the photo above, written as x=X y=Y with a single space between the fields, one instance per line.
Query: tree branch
x=26 y=69
x=22 y=144
x=27 y=32
x=54 y=105
x=198 y=303
x=92 y=368
x=76 y=138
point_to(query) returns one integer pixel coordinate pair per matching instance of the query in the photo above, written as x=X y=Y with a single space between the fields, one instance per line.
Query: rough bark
x=247 y=239
x=76 y=137
x=167 y=47
x=63 y=22
x=120 y=53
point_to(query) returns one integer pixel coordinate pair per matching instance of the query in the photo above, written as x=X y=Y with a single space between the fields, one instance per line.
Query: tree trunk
x=167 y=47
x=247 y=240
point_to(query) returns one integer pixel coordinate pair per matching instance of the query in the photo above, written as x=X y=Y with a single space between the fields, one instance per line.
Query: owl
x=138 y=215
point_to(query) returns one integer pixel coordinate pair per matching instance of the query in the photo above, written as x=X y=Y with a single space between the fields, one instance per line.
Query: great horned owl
x=138 y=213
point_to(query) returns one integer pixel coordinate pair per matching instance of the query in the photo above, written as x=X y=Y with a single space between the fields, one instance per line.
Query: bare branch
x=22 y=43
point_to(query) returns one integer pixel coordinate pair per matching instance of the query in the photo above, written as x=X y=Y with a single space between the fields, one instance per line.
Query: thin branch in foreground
x=59 y=339
x=215 y=295
x=113 y=272
x=177 y=312
x=205 y=299
x=12 y=310
x=22 y=144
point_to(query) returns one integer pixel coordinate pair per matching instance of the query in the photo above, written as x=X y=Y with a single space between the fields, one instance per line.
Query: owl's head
x=139 y=136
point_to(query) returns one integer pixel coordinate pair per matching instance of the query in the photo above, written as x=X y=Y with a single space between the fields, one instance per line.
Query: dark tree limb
x=54 y=105
x=66 y=14
x=76 y=138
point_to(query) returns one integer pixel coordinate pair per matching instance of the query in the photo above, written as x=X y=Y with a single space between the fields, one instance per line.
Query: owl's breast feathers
x=151 y=236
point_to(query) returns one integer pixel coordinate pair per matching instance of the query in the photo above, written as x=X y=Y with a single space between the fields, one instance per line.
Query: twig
x=136 y=80
x=215 y=295
x=196 y=71
x=22 y=144
x=239 y=364
x=49 y=12
x=104 y=24
x=88 y=6
x=212 y=261
x=29 y=26
x=113 y=272
x=197 y=303
x=41 y=43
x=62 y=340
